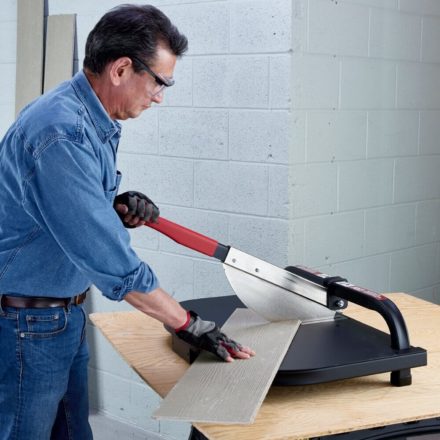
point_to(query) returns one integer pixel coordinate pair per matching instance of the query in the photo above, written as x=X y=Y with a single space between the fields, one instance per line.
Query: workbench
x=300 y=412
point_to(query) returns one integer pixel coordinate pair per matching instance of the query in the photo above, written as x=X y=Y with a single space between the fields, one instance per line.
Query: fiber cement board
x=30 y=52
x=231 y=393
x=60 y=44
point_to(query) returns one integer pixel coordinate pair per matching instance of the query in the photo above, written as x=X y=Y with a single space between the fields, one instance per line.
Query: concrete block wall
x=8 y=59
x=300 y=131
x=364 y=190
x=213 y=156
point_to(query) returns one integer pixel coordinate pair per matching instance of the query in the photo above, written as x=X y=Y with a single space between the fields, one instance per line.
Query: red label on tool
x=363 y=290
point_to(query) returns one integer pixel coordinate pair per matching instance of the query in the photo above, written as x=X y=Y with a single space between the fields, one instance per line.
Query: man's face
x=139 y=90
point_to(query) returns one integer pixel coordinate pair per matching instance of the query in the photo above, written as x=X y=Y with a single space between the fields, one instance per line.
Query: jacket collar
x=105 y=127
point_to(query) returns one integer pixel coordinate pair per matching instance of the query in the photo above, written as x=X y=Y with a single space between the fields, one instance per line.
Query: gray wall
x=364 y=188
x=341 y=177
x=214 y=157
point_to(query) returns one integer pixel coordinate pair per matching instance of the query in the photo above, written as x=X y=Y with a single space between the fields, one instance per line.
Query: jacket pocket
x=111 y=193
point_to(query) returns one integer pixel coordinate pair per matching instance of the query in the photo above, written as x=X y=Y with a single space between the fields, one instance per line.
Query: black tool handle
x=339 y=287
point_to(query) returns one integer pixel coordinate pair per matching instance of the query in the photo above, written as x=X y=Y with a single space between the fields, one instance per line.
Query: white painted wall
x=359 y=141
x=364 y=187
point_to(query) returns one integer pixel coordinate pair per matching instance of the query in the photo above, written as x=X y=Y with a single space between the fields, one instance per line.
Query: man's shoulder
x=56 y=115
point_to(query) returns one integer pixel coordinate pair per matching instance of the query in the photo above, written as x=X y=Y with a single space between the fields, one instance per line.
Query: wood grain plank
x=30 y=52
x=60 y=44
x=142 y=342
x=213 y=391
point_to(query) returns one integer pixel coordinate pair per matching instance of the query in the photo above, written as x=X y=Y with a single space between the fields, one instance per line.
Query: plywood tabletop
x=302 y=411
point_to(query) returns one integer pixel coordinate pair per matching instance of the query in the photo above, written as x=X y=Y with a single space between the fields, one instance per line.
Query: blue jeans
x=43 y=374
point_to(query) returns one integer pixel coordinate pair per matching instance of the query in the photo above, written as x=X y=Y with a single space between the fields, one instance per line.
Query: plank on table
x=30 y=52
x=213 y=391
x=60 y=44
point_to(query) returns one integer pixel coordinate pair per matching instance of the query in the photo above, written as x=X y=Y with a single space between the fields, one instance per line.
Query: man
x=61 y=229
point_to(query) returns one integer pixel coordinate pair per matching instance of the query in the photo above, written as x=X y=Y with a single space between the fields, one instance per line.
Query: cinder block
x=125 y=400
x=9 y=11
x=144 y=175
x=210 y=280
x=418 y=86
x=123 y=162
x=181 y=94
x=175 y=273
x=313 y=189
x=7 y=85
x=211 y=33
x=263 y=238
x=109 y=391
x=296 y=241
x=163 y=179
x=365 y=184
x=390 y=228
x=145 y=238
x=97 y=302
x=85 y=22
x=336 y=135
x=177 y=182
x=140 y=135
x=235 y=81
x=231 y=187
x=414 y=269
x=279 y=81
x=395 y=35
x=334 y=238
x=297 y=150
x=383 y=4
x=259 y=136
x=371 y=272
x=143 y=401
x=416 y=179
x=8 y=41
x=431 y=34
x=174 y=430
x=429 y=132
x=104 y=357
x=422 y=7
x=392 y=133
x=367 y=83
x=279 y=191
x=427 y=222
x=198 y=133
x=437 y=294
x=260 y=26
x=428 y=294
x=331 y=22
x=212 y=224
x=311 y=89
x=7 y=118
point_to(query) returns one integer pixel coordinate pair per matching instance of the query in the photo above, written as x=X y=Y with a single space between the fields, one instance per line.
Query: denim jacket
x=59 y=232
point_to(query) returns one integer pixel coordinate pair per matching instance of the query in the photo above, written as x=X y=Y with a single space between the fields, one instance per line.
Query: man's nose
x=158 y=98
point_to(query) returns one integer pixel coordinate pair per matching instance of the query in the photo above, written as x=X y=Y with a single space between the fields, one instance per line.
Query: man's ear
x=119 y=69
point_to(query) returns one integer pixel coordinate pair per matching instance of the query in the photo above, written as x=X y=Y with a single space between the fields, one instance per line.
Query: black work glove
x=207 y=336
x=139 y=205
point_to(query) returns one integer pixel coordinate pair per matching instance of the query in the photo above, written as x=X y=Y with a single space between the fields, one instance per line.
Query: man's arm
x=161 y=306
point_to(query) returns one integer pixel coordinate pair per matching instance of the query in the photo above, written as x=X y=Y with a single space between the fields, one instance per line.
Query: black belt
x=40 y=302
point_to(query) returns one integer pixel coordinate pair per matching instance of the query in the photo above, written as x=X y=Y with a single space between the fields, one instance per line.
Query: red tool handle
x=189 y=238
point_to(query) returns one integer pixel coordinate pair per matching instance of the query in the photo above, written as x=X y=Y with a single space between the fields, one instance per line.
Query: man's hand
x=135 y=209
x=207 y=336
